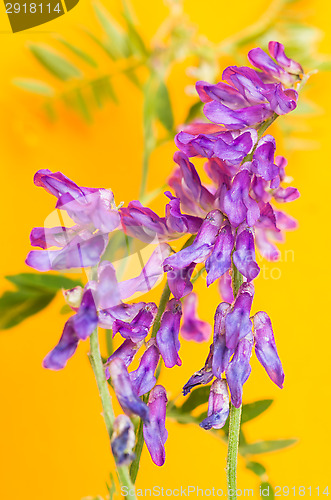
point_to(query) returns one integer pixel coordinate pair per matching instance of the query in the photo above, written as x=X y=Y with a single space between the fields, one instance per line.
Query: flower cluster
x=227 y=219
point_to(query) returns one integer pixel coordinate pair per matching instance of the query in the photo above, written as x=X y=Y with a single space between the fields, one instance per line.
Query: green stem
x=108 y=412
x=137 y=451
x=233 y=444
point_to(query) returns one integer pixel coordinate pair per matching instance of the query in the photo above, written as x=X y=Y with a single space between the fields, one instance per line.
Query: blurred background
x=53 y=440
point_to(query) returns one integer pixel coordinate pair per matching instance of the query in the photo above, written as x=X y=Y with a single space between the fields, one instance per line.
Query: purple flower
x=139 y=327
x=219 y=261
x=167 y=335
x=225 y=287
x=78 y=327
x=203 y=376
x=126 y=352
x=244 y=255
x=237 y=322
x=179 y=280
x=265 y=348
x=155 y=433
x=127 y=398
x=193 y=328
x=239 y=369
x=263 y=159
x=284 y=69
x=202 y=245
x=221 y=353
x=218 y=406
x=143 y=378
x=239 y=206
x=122 y=441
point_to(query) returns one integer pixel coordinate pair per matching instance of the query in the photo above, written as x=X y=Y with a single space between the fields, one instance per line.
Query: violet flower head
x=167 y=335
x=218 y=406
x=193 y=328
x=123 y=440
x=265 y=348
x=155 y=433
x=127 y=398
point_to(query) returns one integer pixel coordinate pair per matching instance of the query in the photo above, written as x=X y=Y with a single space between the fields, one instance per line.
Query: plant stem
x=233 y=443
x=138 y=450
x=108 y=412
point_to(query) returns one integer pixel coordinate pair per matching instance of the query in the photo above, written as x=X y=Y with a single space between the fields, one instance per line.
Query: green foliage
x=34 y=86
x=266 y=487
x=253 y=410
x=257 y=468
x=55 y=63
x=33 y=293
x=266 y=446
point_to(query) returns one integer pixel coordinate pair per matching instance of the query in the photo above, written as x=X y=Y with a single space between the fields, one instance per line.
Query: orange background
x=53 y=441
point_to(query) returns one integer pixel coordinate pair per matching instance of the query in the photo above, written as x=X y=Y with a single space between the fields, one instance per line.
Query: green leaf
x=253 y=410
x=50 y=111
x=79 y=53
x=118 y=46
x=81 y=105
x=34 y=86
x=194 y=111
x=103 y=90
x=57 y=65
x=135 y=41
x=45 y=282
x=256 y=467
x=266 y=446
x=163 y=107
x=66 y=309
x=182 y=418
x=112 y=487
x=323 y=66
x=19 y=305
x=196 y=398
x=268 y=489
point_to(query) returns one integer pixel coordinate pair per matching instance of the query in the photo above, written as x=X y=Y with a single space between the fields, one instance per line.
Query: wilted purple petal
x=237 y=322
x=155 y=433
x=265 y=348
x=123 y=440
x=221 y=354
x=143 y=378
x=167 y=335
x=219 y=262
x=244 y=255
x=203 y=376
x=193 y=328
x=127 y=398
x=218 y=406
x=58 y=357
x=239 y=370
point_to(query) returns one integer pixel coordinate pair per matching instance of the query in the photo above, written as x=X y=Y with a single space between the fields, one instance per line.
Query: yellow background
x=53 y=441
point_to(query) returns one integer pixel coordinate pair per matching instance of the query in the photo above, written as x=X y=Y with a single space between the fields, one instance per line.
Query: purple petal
x=263 y=159
x=221 y=92
x=238 y=204
x=236 y=150
x=86 y=319
x=239 y=118
x=237 y=322
x=222 y=354
x=244 y=255
x=126 y=352
x=58 y=357
x=219 y=262
x=193 y=328
x=265 y=348
x=276 y=50
x=286 y=195
x=126 y=396
x=179 y=280
x=143 y=378
x=139 y=327
x=218 y=406
x=123 y=440
x=167 y=335
x=203 y=376
x=225 y=288
x=239 y=370
x=106 y=291
x=123 y=312
x=155 y=433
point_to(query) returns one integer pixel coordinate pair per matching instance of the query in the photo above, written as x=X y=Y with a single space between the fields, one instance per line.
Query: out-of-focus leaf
x=323 y=66
x=182 y=418
x=135 y=41
x=65 y=309
x=103 y=90
x=118 y=46
x=55 y=63
x=267 y=489
x=266 y=446
x=196 y=398
x=112 y=487
x=194 y=111
x=163 y=107
x=256 y=467
x=50 y=111
x=79 y=52
x=47 y=282
x=34 y=86
x=19 y=305
x=253 y=410
x=82 y=106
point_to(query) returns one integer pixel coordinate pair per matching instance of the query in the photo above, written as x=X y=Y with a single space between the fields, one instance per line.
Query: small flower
x=219 y=261
x=126 y=352
x=221 y=353
x=193 y=328
x=143 y=378
x=237 y=321
x=155 y=433
x=139 y=327
x=239 y=206
x=218 y=406
x=244 y=255
x=203 y=376
x=167 y=335
x=122 y=441
x=265 y=348
x=239 y=369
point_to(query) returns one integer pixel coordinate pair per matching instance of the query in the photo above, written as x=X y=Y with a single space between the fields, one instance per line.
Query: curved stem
x=108 y=412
